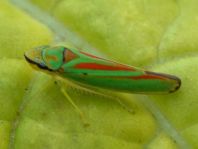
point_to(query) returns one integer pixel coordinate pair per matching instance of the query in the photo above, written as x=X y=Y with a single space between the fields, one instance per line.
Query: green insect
x=89 y=70
x=86 y=69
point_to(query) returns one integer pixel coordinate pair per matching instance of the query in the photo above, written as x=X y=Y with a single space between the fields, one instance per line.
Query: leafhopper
x=86 y=69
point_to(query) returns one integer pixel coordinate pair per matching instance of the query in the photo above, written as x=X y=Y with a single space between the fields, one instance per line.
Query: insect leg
x=77 y=109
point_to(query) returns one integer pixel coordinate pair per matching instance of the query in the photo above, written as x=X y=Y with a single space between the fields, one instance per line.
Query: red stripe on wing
x=90 y=55
x=95 y=66
x=147 y=77
x=144 y=77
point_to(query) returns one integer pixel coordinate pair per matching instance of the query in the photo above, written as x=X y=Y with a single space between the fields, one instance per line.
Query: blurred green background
x=159 y=35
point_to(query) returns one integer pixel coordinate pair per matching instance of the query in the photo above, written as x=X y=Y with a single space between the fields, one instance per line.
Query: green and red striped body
x=87 y=69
